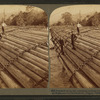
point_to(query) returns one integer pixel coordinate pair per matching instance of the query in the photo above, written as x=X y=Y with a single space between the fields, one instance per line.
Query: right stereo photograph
x=75 y=47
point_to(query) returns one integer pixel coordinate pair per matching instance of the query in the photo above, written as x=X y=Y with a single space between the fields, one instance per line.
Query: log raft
x=83 y=64
x=24 y=58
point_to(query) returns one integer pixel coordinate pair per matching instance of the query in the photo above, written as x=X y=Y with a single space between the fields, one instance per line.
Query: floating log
x=44 y=47
x=32 y=41
x=25 y=63
x=35 y=58
x=41 y=50
x=95 y=60
x=44 y=83
x=31 y=51
x=22 y=61
x=82 y=80
x=27 y=69
x=28 y=72
x=34 y=68
x=19 y=75
x=27 y=37
x=2 y=84
x=90 y=41
x=38 y=54
x=30 y=55
x=18 y=41
x=40 y=33
x=13 y=43
x=9 y=81
x=89 y=71
x=68 y=72
x=28 y=34
x=85 y=68
x=83 y=58
x=25 y=57
x=44 y=67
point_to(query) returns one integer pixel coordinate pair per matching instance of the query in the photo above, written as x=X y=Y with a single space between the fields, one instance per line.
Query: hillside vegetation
x=29 y=17
x=89 y=20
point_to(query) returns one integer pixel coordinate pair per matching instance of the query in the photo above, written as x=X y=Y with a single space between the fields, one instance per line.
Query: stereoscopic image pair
x=63 y=52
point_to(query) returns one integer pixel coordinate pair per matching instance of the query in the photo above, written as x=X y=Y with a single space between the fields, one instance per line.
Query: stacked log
x=24 y=61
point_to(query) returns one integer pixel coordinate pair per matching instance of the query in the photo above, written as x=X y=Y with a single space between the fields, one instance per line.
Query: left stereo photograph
x=23 y=47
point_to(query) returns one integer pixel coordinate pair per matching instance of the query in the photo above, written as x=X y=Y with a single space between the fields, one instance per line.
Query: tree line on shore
x=89 y=20
x=28 y=17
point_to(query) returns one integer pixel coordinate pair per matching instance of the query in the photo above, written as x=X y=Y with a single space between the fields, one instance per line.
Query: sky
x=73 y=9
x=13 y=9
x=10 y=9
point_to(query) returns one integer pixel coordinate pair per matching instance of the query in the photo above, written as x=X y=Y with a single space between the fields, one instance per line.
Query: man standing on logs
x=61 y=42
x=78 y=28
x=51 y=40
x=73 y=39
x=3 y=29
x=0 y=35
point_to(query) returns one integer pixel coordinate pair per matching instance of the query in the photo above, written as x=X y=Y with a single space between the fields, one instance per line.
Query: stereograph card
x=50 y=49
